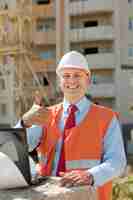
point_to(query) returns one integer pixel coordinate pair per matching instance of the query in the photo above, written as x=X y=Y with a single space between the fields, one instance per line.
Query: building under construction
x=18 y=75
x=34 y=34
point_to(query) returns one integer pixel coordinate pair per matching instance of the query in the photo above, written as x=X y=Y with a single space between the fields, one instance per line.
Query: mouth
x=72 y=87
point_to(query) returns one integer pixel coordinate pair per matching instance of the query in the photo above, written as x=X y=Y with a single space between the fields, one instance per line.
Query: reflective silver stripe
x=82 y=164
x=42 y=158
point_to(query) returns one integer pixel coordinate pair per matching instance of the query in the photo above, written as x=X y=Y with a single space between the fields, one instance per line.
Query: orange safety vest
x=83 y=146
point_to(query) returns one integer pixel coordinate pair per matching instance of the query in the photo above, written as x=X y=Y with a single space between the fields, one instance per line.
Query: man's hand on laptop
x=76 y=178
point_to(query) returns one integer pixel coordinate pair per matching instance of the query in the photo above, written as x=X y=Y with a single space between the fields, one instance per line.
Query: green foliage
x=123 y=189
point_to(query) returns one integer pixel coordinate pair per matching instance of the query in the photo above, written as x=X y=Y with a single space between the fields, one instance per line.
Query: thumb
x=61 y=174
x=38 y=98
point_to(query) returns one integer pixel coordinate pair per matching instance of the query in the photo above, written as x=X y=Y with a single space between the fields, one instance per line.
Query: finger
x=38 y=98
x=61 y=174
x=73 y=175
x=64 y=180
x=68 y=179
x=78 y=183
x=43 y=110
x=76 y=178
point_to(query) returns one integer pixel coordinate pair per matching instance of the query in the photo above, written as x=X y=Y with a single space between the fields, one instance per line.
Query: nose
x=72 y=79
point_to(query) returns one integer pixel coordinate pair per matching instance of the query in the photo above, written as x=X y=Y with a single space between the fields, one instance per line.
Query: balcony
x=77 y=8
x=130 y=62
x=92 y=34
x=4 y=93
x=102 y=90
x=45 y=11
x=101 y=60
x=5 y=120
x=46 y=38
x=44 y=65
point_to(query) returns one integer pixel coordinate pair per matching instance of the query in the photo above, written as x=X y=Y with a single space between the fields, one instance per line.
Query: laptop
x=14 y=159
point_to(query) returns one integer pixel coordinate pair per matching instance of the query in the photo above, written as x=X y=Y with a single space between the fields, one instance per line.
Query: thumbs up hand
x=38 y=114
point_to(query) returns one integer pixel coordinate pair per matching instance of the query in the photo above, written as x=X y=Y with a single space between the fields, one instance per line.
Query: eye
x=77 y=76
x=66 y=76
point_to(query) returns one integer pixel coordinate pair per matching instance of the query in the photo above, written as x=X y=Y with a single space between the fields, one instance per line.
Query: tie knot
x=72 y=108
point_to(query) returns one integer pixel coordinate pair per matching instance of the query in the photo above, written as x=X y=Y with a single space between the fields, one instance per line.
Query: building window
x=108 y=102
x=94 y=79
x=3 y=109
x=43 y=80
x=130 y=23
x=130 y=1
x=102 y=77
x=130 y=51
x=77 y=0
x=40 y=2
x=105 y=50
x=90 y=23
x=45 y=25
x=2 y=84
x=47 y=55
x=90 y=50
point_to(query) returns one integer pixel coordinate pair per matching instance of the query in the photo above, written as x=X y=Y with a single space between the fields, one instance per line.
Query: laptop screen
x=13 y=143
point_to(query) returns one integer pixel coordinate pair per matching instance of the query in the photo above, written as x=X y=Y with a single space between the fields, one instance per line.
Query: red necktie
x=70 y=122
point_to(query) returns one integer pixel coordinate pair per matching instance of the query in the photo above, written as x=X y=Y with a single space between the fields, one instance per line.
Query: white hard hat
x=72 y=59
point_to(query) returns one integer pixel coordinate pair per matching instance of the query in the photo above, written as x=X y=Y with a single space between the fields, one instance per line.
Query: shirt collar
x=82 y=104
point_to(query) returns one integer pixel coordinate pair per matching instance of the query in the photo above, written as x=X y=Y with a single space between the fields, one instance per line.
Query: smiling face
x=74 y=83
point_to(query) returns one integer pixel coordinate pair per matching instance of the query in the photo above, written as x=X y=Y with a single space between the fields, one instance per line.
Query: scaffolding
x=18 y=80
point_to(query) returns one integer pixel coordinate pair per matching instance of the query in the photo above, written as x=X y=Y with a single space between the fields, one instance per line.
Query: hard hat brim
x=62 y=67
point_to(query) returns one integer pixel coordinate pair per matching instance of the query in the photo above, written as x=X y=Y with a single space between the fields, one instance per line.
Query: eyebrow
x=72 y=73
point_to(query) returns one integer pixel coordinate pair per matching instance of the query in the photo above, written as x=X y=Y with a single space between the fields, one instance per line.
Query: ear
x=89 y=79
x=59 y=83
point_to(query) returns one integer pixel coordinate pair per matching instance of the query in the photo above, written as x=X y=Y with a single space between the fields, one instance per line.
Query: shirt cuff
x=22 y=123
x=96 y=180
x=18 y=125
x=91 y=177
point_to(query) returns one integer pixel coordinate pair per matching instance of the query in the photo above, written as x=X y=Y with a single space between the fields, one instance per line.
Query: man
x=91 y=151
